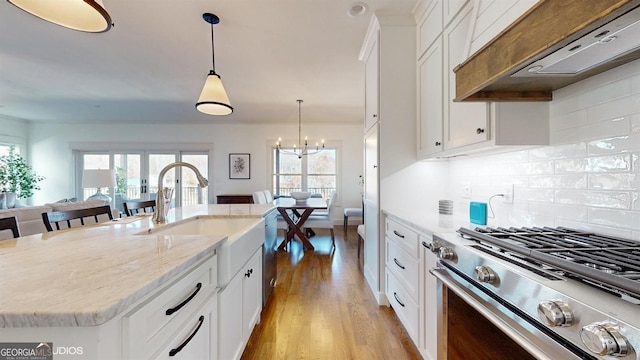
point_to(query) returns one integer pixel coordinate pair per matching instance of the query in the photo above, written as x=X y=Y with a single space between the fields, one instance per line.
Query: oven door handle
x=443 y=276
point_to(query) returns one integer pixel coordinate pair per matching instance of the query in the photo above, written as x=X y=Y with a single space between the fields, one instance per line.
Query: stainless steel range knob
x=446 y=253
x=435 y=246
x=604 y=339
x=485 y=274
x=555 y=313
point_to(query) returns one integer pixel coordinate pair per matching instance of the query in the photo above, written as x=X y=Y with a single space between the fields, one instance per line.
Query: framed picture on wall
x=239 y=166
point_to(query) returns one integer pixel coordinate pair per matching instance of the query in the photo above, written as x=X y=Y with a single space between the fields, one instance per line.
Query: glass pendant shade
x=213 y=98
x=81 y=15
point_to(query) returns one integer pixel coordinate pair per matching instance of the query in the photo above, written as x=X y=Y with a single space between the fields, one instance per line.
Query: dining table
x=301 y=210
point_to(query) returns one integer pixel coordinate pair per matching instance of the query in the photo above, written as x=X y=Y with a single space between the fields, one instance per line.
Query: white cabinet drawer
x=154 y=323
x=405 y=308
x=404 y=267
x=407 y=239
x=194 y=340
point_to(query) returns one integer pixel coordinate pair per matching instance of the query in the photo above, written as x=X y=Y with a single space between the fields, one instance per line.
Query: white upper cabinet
x=468 y=123
x=430 y=26
x=430 y=101
x=372 y=78
x=447 y=33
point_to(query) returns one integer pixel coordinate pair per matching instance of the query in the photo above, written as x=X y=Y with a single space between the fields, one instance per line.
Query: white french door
x=137 y=175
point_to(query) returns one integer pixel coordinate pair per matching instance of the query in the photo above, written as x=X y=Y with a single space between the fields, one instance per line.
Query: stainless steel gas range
x=558 y=293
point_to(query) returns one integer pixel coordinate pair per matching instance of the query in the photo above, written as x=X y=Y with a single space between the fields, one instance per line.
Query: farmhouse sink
x=244 y=237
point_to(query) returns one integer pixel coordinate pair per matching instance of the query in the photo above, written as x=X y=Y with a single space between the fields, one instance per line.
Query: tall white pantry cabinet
x=388 y=53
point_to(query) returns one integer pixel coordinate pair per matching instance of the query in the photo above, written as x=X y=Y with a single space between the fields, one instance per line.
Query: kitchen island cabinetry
x=388 y=52
x=163 y=319
x=240 y=307
x=131 y=288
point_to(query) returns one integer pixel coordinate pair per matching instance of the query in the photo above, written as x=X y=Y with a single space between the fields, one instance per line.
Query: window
x=315 y=173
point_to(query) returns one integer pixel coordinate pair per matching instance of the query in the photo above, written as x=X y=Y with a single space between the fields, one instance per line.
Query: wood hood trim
x=547 y=26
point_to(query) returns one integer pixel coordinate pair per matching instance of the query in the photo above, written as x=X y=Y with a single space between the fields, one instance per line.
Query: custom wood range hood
x=553 y=35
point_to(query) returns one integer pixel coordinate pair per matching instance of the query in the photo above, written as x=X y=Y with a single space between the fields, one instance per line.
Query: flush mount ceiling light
x=213 y=98
x=358 y=9
x=81 y=15
x=299 y=150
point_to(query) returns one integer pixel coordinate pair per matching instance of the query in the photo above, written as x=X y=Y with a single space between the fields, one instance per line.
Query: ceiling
x=151 y=66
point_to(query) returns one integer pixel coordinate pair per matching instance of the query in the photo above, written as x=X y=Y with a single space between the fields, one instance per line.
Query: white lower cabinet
x=239 y=308
x=195 y=338
x=402 y=276
x=158 y=322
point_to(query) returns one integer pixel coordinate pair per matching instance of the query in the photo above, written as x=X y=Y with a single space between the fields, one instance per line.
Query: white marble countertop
x=430 y=222
x=87 y=276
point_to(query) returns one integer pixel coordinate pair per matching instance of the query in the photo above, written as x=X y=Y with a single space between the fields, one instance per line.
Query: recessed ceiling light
x=358 y=9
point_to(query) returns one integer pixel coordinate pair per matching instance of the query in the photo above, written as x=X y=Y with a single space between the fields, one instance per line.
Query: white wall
x=588 y=179
x=14 y=131
x=51 y=146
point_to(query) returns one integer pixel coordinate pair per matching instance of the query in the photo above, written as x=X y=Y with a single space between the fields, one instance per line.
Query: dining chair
x=134 y=207
x=57 y=217
x=268 y=196
x=259 y=198
x=10 y=223
x=325 y=220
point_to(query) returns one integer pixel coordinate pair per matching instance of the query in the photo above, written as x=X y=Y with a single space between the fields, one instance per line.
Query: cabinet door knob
x=375 y=115
x=438 y=143
x=479 y=131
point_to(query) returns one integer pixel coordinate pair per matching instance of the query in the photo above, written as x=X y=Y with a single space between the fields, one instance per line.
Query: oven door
x=474 y=323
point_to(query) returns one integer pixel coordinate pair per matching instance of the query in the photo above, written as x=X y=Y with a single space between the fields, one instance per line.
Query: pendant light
x=300 y=149
x=81 y=15
x=213 y=99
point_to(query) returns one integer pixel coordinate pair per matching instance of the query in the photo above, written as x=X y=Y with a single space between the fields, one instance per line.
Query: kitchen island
x=86 y=287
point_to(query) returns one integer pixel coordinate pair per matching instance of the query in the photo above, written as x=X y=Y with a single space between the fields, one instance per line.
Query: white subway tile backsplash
x=538 y=167
x=558 y=152
x=576 y=165
x=634 y=123
x=558 y=211
x=573 y=181
x=617 y=218
x=608 y=199
x=620 y=181
x=613 y=163
x=612 y=111
x=544 y=181
x=615 y=145
x=612 y=127
x=589 y=178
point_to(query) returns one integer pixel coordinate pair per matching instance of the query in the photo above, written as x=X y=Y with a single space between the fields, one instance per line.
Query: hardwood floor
x=322 y=308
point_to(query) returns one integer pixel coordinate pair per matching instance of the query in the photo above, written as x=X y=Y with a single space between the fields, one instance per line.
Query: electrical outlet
x=466 y=190
x=508 y=194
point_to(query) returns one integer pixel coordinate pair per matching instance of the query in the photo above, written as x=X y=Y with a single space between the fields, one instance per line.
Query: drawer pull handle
x=398 y=300
x=179 y=306
x=398 y=234
x=397 y=263
x=173 y=352
x=248 y=273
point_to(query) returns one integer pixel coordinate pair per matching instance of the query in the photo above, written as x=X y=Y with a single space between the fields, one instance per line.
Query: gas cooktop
x=607 y=262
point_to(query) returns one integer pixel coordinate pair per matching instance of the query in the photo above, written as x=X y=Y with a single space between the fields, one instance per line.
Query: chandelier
x=298 y=150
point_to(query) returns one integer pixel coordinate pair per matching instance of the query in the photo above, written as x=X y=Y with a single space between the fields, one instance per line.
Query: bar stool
x=351 y=212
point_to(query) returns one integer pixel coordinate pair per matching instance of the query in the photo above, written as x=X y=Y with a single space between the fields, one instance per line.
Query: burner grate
x=607 y=260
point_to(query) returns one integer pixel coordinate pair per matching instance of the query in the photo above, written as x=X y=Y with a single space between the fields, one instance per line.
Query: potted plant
x=16 y=176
